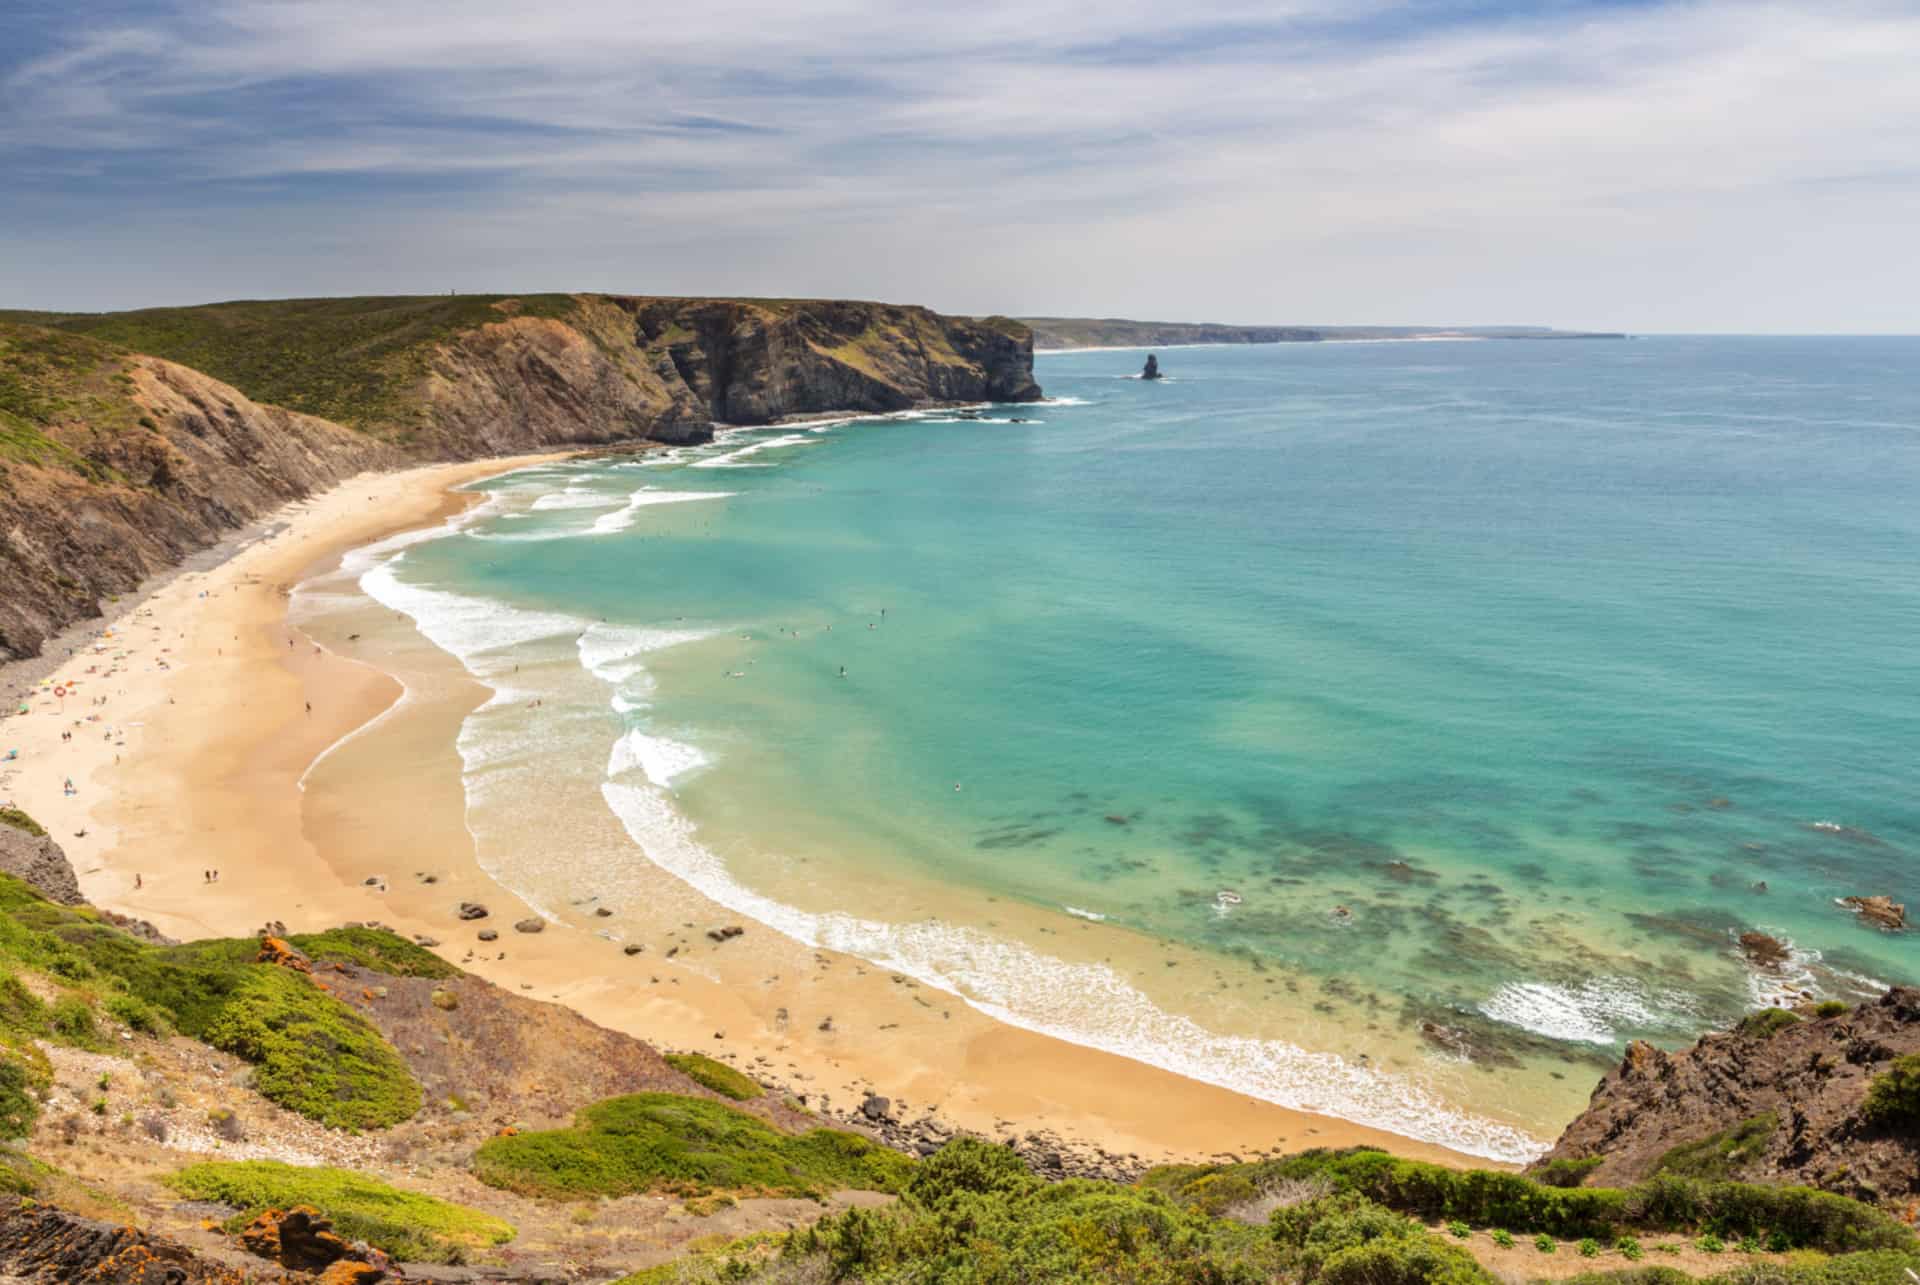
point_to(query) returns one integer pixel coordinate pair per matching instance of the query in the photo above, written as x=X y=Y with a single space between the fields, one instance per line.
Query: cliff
x=1781 y=1098
x=129 y=440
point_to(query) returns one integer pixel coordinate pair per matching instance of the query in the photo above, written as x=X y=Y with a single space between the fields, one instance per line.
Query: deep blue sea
x=1415 y=723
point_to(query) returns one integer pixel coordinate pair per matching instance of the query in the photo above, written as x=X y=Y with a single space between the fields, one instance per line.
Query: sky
x=1641 y=165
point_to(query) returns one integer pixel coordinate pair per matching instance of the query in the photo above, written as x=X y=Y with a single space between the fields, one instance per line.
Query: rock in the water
x=1881 y=912
x=472 y=910
x=1767 y=952
x=1152 y=369
x=531 y=924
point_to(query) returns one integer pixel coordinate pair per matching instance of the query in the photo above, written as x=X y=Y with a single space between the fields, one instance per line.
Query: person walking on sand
x=137 y=883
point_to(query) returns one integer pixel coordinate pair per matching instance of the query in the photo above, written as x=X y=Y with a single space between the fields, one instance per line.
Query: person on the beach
x=137 y=883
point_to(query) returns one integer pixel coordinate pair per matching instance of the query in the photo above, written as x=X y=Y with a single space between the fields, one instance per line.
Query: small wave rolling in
x=1502 y=684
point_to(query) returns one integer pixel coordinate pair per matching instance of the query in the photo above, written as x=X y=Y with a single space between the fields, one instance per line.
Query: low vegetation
x=1721 y=1155
x=349 y=360
x=1878 y=1267
x=314 y=1054
x=54 y=384
x=1790 y=1217
x=406 y=1224
x=1766 y=1022
x=661 y=1141
x=19 y=820
x=1893 y=1096
x=718 y=1076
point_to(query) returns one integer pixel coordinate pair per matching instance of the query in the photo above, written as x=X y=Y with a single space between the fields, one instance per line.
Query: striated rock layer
x=1794 y=1095
x=116 y=465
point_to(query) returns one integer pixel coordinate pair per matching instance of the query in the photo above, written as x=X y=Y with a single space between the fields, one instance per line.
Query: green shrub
x=1710 y=1244
x=1502 y=1237
x=973 y=1215
x=72 y=1022
x=1830 y=1008
x=375 y=949
x=1751 y=1245
x=1766 y=1023
x=21 y=821
x=1721 y=1155
x=314 y=1055
x=135 y=1014
x=1628 y=1248
x=1459 y=1229
x=1589 y=1248
x=1666 y=1202
x=1565 y=1173
x=652 y=1141
x=18 y=1106
x=1893 y=1097
x=406 y=1224
x=718 y=1076
x=1544 y=1243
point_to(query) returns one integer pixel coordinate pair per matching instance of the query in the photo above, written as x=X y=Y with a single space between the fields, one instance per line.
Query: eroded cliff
x=130 y=440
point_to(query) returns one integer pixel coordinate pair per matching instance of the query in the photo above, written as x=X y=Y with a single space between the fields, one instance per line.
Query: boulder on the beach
x=472 y=910
x=725 y=934
x=1881 y=912
x=489 y=934
x=531 y=924
x=632 y=948
x=876 y=1108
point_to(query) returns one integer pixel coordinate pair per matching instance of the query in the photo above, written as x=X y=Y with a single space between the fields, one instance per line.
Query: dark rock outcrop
x=1152 y=369
x=1881 y=912
x=1810 y=1076
x=37 y=860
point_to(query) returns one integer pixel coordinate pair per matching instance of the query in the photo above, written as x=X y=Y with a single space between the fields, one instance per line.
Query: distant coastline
x=1070 y=334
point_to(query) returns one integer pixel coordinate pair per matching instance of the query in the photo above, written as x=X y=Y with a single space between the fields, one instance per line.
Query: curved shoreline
x=215 y=783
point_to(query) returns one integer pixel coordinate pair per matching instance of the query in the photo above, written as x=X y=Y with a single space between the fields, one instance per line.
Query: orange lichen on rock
x=278 y=951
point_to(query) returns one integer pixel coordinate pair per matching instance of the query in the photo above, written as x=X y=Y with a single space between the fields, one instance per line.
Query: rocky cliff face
x=1776 y=1101
x=132 y=462
x=164 y=470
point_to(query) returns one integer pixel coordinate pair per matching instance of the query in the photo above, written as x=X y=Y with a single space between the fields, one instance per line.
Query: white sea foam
x=1588 y=1013
x=1078 y=913
x=576 y=498
x=473 y=630
x=644 y=498
x=662 y=760
x=1086 y=1004
x=732 y=458
x=612 y=652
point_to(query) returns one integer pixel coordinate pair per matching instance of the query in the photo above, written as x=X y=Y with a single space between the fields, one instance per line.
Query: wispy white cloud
x=1662 y=165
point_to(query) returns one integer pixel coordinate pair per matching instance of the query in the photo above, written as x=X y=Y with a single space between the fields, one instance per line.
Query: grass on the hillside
x=406 y=1224
x=19 y=820
x=1787 y=1217
x=314 y=1054
x=1721 y=1155
x=348 y=360
x=662 y=1141
x=50 y=379
x=1766 y=1022
x=718 y=1076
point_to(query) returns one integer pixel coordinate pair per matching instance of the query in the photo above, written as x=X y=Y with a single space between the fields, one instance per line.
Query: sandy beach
x=196 y=721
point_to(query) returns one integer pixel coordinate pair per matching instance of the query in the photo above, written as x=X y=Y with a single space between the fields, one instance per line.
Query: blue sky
x=1632 y=164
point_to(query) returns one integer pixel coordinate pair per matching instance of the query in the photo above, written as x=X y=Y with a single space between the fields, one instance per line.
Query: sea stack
x=1152 y=368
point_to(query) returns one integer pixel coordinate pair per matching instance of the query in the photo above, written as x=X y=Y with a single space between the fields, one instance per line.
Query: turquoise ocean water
x=1501 y=685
